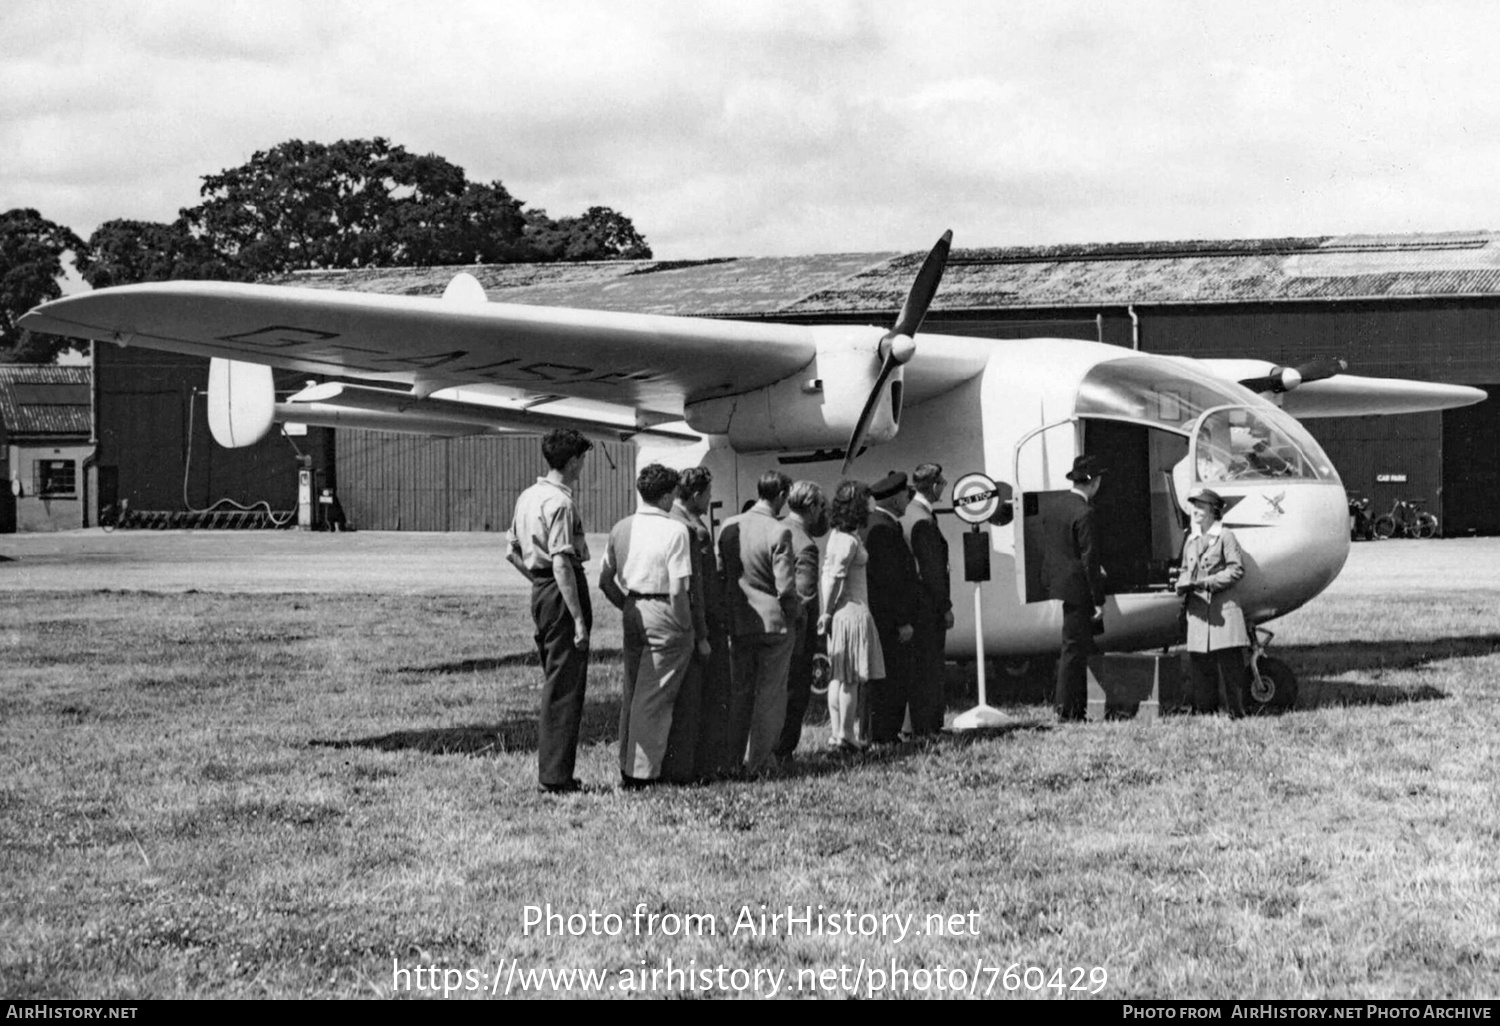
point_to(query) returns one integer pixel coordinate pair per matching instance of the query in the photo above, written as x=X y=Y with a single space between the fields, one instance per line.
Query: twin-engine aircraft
x=743 y=397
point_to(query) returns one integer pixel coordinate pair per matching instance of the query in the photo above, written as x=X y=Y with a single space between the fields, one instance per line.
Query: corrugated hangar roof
x=40 y=399
x=1343 y=267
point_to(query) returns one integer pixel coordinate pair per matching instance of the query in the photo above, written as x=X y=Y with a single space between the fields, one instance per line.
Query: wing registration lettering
x=280 y=336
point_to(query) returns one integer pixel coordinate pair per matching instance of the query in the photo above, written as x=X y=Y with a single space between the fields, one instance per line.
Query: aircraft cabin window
x=1154 y=391
x=1240 y=444
x=1250 y=439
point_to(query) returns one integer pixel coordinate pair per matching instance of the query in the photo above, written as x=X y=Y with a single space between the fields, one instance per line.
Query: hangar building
x=1420 y=306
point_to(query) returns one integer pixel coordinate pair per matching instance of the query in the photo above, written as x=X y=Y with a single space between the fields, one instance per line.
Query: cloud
x=786 y=127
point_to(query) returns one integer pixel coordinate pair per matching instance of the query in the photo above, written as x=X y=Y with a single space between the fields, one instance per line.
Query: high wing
x=461 y=364
x=656 y=364
x=1348 y=395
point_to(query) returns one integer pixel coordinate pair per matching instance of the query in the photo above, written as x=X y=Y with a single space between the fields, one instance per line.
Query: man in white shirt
x=547 y=546
x=647 y=573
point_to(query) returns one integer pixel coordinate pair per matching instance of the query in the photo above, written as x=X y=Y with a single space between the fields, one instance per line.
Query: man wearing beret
x=898 y=604
x=1071 y=572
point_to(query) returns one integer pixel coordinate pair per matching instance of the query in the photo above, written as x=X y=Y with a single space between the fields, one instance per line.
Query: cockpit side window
x=1239 y=444
x=1242 y=436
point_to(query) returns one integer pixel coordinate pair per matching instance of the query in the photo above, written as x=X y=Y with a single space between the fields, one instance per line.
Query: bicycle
x=1361 y=526
x=1408 y=519
x=114 y=515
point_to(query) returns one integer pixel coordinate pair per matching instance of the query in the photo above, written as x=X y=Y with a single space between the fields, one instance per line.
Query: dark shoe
x=569 y=787
x=629 y=783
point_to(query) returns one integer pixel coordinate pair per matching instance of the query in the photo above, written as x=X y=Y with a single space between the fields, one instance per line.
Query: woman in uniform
x=1217 y=639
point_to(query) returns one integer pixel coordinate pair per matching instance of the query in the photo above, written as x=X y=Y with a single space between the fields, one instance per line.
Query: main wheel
x=1385 y=526
x=1426 y=526
x=1274 y=691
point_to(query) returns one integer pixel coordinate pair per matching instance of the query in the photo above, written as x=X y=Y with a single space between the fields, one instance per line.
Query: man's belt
x=648 y=595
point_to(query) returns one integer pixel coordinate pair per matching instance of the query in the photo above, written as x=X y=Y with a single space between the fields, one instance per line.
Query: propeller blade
x=924 y=288
x=897 y=346
x=1284 y=379
x=1320 y=368
x=857 y=436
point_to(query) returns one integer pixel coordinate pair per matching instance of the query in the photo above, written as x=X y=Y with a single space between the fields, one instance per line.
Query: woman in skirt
x=853 y=646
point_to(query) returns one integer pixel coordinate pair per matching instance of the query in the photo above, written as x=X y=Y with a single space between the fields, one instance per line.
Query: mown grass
x=264 y=795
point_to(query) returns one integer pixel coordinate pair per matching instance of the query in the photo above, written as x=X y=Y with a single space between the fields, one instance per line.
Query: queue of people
x=721 y=639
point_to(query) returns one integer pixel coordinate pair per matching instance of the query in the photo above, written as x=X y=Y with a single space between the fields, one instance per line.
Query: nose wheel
x=1272 y=687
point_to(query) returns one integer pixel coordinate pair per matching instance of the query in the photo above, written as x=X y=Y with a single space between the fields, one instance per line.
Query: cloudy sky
x=779 y=128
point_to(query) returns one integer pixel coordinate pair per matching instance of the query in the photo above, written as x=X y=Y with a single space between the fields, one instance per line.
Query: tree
x=125 y=252
x=31 y=250
x=600 y=234
x=356 y=203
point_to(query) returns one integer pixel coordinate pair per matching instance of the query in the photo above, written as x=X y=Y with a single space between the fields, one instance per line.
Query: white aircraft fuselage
x=1038 y=403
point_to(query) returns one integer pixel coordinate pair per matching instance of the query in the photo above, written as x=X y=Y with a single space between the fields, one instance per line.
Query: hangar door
x=1471 y=469
x=399 y=482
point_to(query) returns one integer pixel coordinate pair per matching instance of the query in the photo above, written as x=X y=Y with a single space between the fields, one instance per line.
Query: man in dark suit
x=930 y=549
x=703 y=694
x=897 y=602
x=761 y=592
x=1071 y=572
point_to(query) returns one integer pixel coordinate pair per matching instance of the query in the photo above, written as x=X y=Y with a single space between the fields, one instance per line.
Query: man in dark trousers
x=930 y=549
x=702 y=695
x=1071 y=572
x=548 y=546
x=807 y=519
x=760 y=591
x=897 y=603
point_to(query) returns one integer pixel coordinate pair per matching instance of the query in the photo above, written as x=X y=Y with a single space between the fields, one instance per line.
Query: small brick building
x=47 y=435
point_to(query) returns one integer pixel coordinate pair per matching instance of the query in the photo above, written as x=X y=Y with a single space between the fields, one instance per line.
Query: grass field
x=309 y=793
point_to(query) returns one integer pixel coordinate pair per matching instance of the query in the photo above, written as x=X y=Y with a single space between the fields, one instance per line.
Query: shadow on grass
x=507 y=661
x=1318 y=668
x=1317 y=665
x=601 y=722
x=826 y=761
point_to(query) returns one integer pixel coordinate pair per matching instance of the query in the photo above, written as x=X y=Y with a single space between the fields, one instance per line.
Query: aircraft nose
x=1295 y=539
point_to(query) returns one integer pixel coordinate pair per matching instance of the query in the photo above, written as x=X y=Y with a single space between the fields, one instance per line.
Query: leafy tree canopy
x=356 y=203
x=31 y=250
x=600 y=234
x=365 y=202
x=125 y=252
x=297 y=206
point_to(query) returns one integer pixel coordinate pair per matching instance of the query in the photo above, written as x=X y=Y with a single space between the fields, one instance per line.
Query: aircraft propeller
x=898 y=346
x=1284 y=379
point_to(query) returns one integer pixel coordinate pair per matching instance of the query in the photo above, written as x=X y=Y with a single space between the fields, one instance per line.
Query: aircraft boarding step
x=1137 y=685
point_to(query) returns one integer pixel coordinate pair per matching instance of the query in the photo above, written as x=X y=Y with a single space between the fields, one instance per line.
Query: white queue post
x=976 y=498
x=982 y=715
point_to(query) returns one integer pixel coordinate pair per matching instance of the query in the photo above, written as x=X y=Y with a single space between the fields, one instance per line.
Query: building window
x=55 y=479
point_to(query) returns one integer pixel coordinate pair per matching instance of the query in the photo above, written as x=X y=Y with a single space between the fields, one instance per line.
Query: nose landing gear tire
x=1271 y=690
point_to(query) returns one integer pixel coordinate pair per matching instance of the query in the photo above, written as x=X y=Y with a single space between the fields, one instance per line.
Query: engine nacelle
x=241 y=402
x=816 y=408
